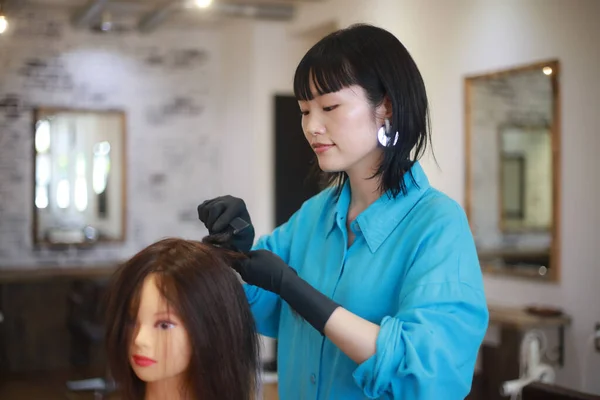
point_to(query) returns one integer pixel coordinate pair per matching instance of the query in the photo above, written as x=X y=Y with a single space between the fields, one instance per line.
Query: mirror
x=526 y=179
x=79 y=179
x=512 y=183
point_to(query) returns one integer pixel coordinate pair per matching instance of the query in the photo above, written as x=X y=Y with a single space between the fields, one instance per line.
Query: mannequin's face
x=160 y=347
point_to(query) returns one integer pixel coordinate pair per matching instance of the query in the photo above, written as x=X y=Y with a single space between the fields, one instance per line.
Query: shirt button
x=313 y=379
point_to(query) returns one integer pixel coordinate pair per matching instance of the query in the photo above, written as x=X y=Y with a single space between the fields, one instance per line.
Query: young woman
x=373 y=288
x=179 y=326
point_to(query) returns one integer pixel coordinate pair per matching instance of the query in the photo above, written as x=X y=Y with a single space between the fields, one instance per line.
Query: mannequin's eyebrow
x=170 y=313
x=163 y=313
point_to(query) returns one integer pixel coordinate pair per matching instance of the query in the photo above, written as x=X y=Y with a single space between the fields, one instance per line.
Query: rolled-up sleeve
x=428 y=348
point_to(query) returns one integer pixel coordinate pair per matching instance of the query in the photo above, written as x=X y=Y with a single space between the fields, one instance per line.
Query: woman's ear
x=384 y=110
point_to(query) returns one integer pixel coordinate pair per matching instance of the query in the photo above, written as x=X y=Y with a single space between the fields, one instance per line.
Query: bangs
x=167 y=289
x=324 y=67
x=133 y=303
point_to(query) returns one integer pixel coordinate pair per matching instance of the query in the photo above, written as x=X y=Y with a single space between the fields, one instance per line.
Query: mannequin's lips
x=143 y=361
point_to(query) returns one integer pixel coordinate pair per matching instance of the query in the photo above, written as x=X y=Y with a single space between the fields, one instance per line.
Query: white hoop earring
x=383 y=134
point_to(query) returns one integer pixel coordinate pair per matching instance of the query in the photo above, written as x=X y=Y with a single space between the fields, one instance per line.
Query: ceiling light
x=547 y=70
x=203 y=3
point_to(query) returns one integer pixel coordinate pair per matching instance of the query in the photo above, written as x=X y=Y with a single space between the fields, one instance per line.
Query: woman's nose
x=312 y=126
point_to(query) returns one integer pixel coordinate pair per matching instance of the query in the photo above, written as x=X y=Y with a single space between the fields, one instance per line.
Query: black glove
x=224 y=213
x=267 y=271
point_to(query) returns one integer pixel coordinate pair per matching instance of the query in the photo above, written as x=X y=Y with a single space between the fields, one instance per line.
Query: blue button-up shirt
x=412 y=269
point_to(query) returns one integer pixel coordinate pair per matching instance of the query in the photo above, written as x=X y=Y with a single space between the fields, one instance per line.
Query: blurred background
x=118 y=117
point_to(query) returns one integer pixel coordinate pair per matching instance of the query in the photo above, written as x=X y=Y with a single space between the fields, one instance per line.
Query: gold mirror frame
x=39 y=113
x=554 y=273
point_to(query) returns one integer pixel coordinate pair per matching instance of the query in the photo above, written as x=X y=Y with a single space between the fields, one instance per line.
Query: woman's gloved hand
x=266 y=270
x=218 y=214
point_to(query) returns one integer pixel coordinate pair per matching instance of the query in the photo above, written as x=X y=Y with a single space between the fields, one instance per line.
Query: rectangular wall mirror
x=513 y=182
x=79 y=176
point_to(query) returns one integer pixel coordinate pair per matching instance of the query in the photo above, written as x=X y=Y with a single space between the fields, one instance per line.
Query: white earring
x=383 y=134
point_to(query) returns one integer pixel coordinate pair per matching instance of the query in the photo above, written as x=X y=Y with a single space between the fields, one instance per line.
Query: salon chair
x=85 y=324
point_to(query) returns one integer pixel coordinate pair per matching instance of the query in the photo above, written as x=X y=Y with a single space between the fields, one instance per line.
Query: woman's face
x=342 y=129
x=160 y=347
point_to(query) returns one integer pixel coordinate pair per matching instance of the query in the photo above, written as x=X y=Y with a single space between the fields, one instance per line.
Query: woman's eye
x=164 y=325
x=303 y=112
x=330 y=108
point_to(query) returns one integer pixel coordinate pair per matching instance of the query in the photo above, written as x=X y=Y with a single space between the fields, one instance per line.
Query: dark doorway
x=293 y=157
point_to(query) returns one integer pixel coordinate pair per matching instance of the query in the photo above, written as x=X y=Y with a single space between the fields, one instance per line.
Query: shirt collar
x=379 y=219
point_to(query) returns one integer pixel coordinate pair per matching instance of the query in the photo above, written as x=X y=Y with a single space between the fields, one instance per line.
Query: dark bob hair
x=374 y=59
x=197 y=280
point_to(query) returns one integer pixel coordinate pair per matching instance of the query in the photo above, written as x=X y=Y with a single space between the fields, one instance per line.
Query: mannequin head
x=178 y=319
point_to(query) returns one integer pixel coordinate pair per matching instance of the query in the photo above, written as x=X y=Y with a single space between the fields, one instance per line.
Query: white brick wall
x=166 y=82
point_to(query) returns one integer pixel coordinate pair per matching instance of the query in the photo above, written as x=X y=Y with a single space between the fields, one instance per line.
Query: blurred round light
x=203 y=3
x=547 y=70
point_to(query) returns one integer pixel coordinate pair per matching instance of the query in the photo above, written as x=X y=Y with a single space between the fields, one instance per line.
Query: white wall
x=167 y=83
x=451 y=39
x=258 y=62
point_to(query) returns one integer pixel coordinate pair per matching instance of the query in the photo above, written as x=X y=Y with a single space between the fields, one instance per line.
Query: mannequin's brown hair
x=197 y=280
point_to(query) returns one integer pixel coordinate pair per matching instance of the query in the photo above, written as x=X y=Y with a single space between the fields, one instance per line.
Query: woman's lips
x=143 y=361
x=321 y=148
